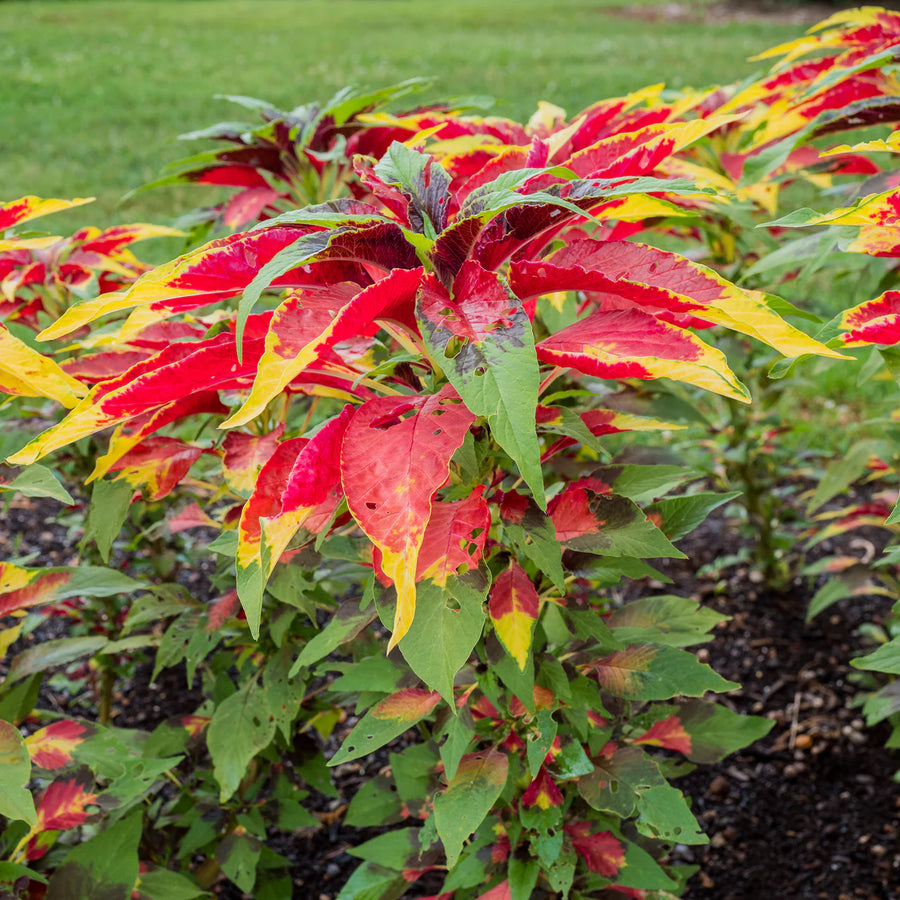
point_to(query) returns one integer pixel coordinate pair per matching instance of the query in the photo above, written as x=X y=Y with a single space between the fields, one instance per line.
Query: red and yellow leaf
x=26 y=373
x=216 y=271
x=51 y=747
x=157 y=465
x=406 y=707
x=542 y=792
x=64 y=805
x=302 y=329
x=514 y=606
x=658 y=280
x=244 y=456
x=173 y=374
x=395 y=456
x=454 y=537
x=873 y=322
x=298 y=485
x=26 y=208
x=628 y=343
x=130 y=433
x=23 y=588
x=669 y=734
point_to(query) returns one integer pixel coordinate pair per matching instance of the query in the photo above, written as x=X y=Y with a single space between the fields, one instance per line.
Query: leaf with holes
x=385 y=721
x=240 y=728
x=468 y=798
x=655 y=672
x=448 y=623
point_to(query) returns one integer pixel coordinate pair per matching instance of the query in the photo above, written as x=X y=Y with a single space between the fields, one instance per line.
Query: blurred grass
x=95 y=92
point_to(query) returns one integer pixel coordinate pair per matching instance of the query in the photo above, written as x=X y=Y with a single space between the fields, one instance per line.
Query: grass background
x=94 y=93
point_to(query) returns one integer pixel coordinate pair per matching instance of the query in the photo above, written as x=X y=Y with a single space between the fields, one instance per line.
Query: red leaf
x=667 y=733
x=395 y=456
x=454 y=537
x=602 y=852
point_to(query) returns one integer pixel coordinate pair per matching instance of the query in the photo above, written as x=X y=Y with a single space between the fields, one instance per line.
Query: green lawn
x=95 y=92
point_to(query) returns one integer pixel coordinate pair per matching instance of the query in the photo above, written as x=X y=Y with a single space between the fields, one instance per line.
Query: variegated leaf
x=395 y=456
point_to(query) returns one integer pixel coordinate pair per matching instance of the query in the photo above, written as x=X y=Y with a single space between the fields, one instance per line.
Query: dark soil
x=809 y=812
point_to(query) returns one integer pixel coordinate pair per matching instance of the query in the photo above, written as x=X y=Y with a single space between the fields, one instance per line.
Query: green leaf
x=447 y=624
x=681 y=515
x=186 y=639
x=238 y=855
x=663 y=814
x=572 y=762
x=375 y=804
x=50 y=654
x=283 y=695
x=371 y=881
x=664 y=619
x=397 y=849
x=347 y=622
x=164 y=884
x=642 y=871
x=109 y=508
x=385 y=721
x=540 y=740
x=470 y=794
x=16 y=703
x=104 y=867
x=883 y=703
x=885 y=659
x=716 y=731
x=656 y=672
x=39 y=481
x=523 y=876
x=615 y=783
x=15 y=771
x=494 y=368
x=844 y=471
x=240 y=728
x=459 y=733
x=643 y=484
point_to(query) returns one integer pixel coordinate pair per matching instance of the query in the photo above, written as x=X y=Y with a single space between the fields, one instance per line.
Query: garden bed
x=810 y=811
